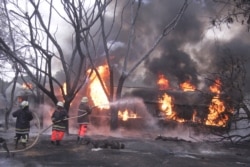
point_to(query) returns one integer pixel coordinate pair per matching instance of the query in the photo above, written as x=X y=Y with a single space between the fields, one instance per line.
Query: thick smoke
x=193 y=50
x=173 y=60
x=189 y=52
x=175 y=64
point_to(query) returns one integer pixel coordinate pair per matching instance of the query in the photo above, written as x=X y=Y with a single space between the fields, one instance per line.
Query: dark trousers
x=23 y=137
x=4 y=146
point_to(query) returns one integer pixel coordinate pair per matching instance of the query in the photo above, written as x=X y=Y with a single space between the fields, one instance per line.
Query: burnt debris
x=103 y=143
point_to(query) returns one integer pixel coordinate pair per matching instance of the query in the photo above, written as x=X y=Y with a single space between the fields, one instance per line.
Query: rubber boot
x=6 y=149
x=24 y=140
x=78 y=140
x=58 y=143
x=16 y=143
x=24 y=145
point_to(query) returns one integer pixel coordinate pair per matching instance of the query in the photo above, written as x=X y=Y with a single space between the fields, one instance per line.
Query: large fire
x=98 y=96
x=96 y=92
x=167 y=104
x=167 y=107
x=216 y=107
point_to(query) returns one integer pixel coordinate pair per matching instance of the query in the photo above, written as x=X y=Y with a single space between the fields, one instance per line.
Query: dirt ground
x=144 y=152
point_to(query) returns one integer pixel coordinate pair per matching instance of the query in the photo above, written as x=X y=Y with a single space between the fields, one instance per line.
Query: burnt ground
x=138 y=151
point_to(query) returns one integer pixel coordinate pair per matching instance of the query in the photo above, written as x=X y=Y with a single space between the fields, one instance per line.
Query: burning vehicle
x=185 y=104
x=188 y=105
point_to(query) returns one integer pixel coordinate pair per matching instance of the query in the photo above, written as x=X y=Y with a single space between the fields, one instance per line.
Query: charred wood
x=103 y=143
x=160 y=137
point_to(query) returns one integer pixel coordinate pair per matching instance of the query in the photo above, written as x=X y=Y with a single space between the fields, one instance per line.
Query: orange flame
x=166 y=104
x=162 y=82
x=216 y=107
x=216 y=87
x=216 y=116
x=167 y=107
x=125 y=115
x=65 y=87
x=187 y=86
x=27 y=86
x=99 y=97
x=97 y=93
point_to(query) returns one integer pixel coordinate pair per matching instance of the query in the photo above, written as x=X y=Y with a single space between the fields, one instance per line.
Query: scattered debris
x=105 y=143
x=160 y=137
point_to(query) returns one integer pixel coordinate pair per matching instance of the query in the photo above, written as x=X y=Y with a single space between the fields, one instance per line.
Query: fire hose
x=42 y=131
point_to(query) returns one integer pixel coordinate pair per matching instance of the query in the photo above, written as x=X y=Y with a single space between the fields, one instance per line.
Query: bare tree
x=233 y=11
x=9 y=38
x=41 y=47
x=87 y=29
x=126 y=68
x=233 y=81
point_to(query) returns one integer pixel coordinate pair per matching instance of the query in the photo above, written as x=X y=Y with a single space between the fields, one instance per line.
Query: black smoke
x=188 y=52
x=175 y=64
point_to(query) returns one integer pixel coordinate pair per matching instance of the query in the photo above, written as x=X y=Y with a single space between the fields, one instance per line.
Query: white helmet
x=24 y=104
x=84 y=100
x=60 y=104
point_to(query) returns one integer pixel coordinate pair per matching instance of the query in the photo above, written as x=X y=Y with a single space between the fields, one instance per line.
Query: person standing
x=58 y=118
x=83 y=119
x=23 y=117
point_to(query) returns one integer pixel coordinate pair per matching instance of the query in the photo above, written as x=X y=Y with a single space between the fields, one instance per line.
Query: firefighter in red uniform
x=59 y=123
x=83 y=119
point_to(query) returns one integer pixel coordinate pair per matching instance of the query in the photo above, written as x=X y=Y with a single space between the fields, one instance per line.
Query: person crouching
x=59 y=123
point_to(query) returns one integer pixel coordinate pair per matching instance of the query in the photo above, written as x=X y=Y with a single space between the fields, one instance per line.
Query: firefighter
x=83 y=119
x=23 y=117
x=58 y=118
